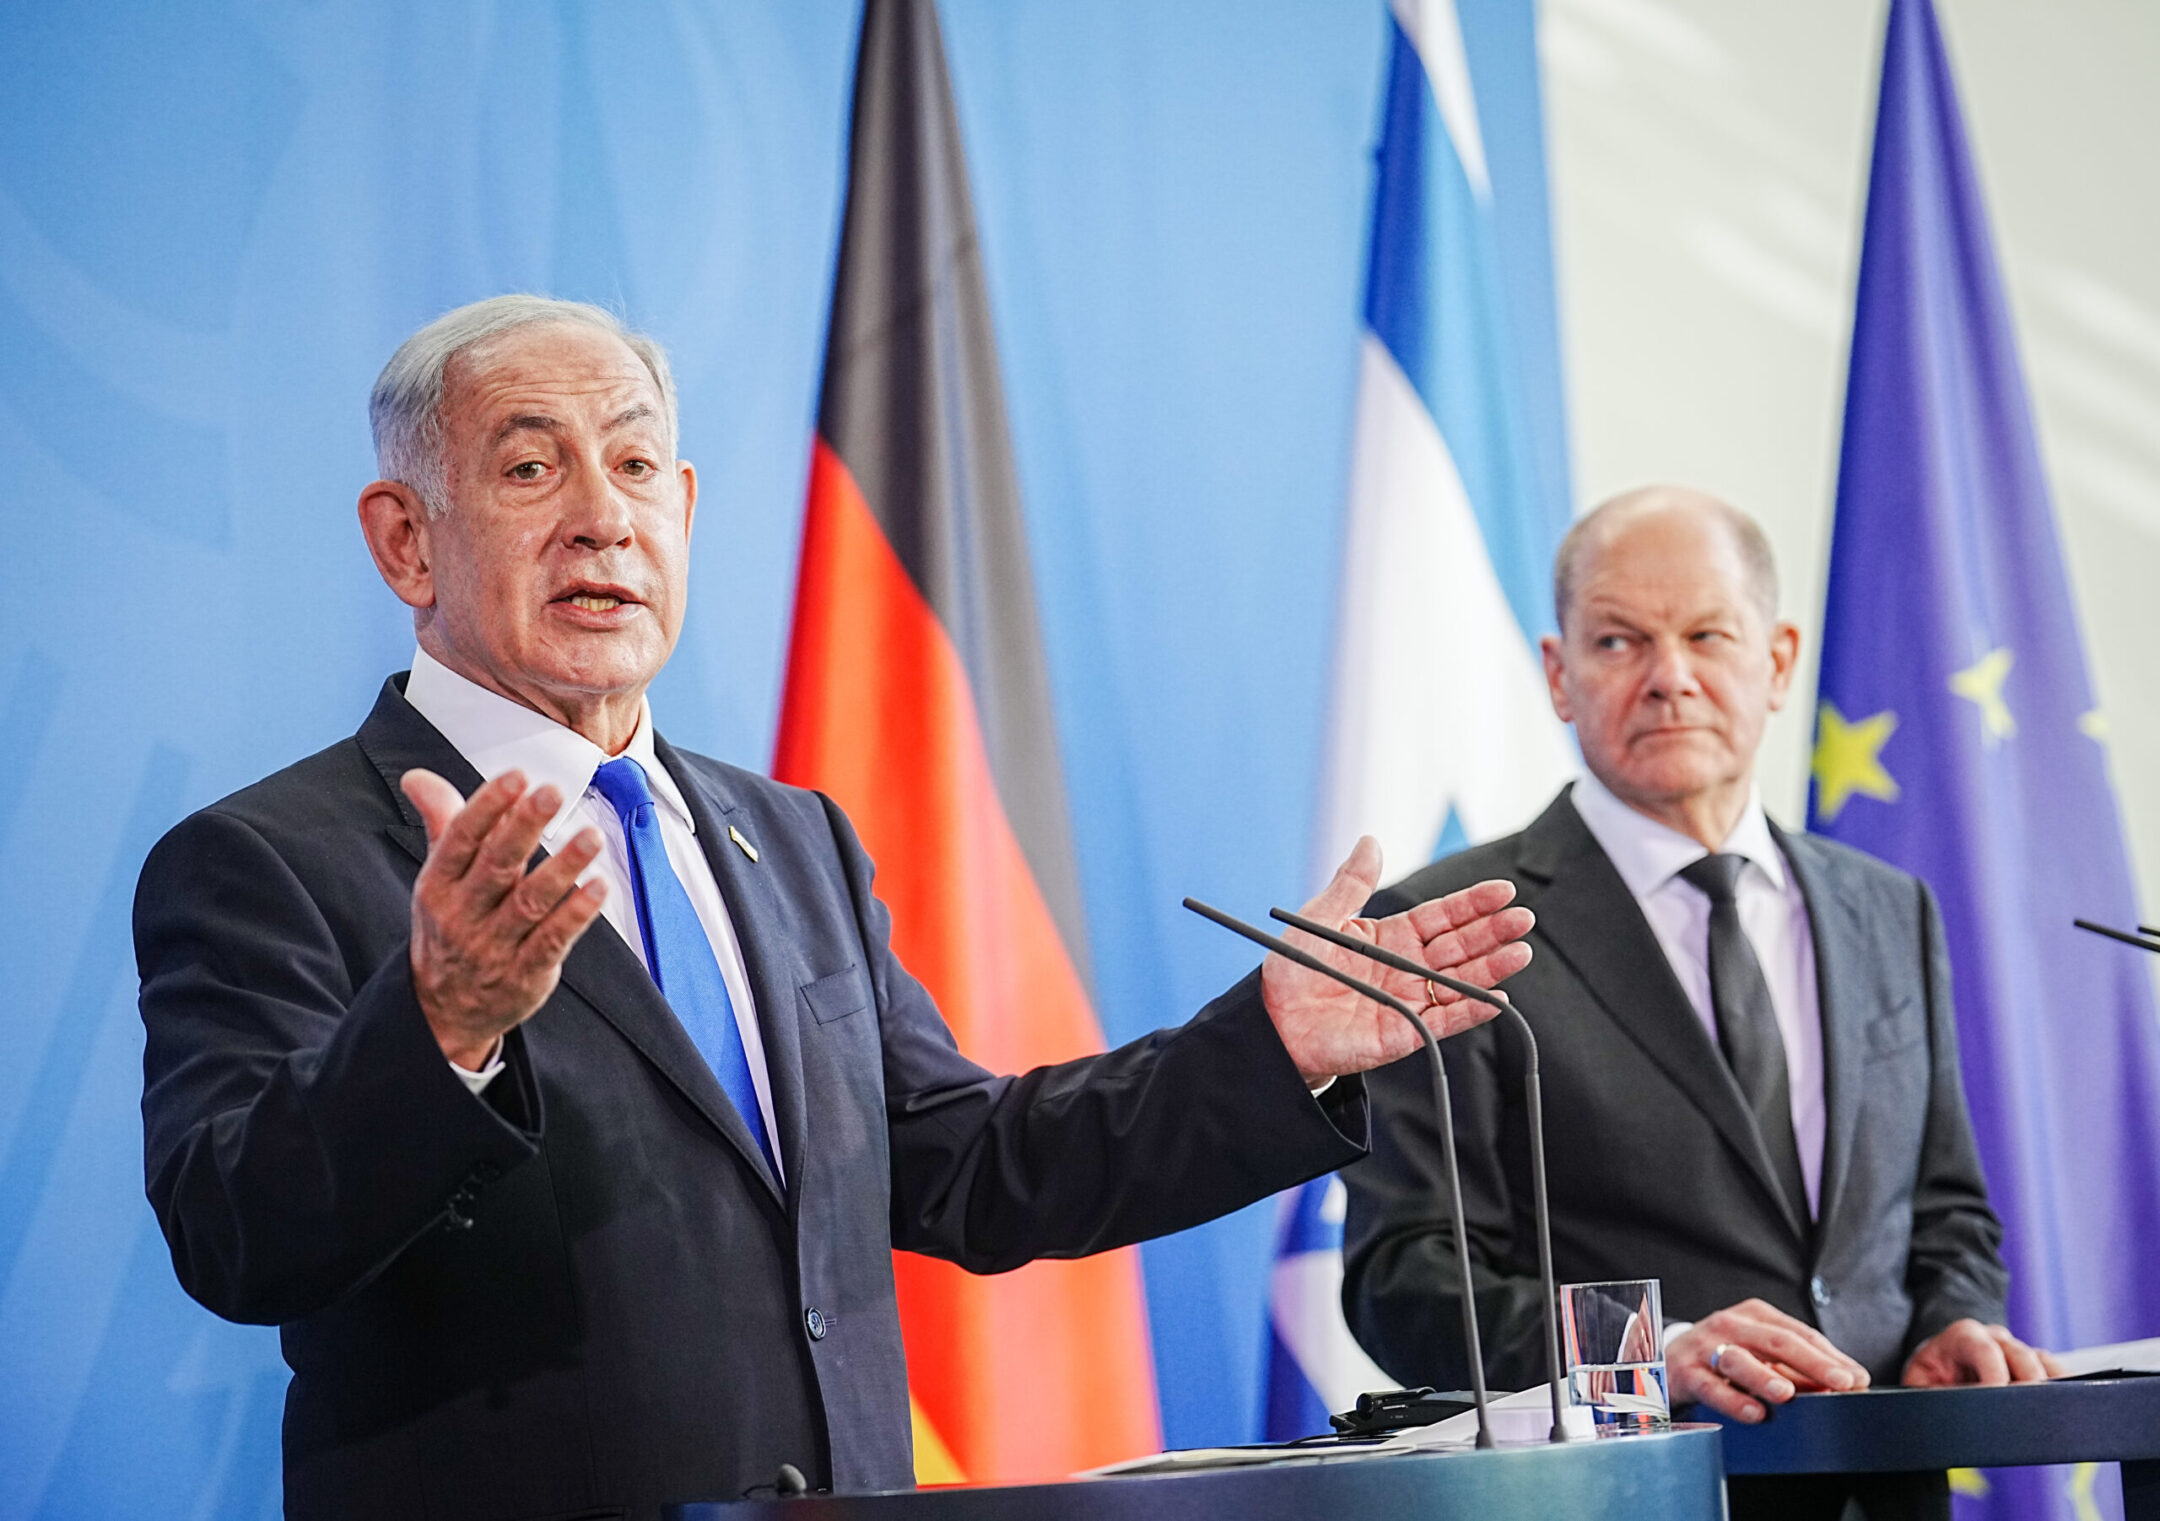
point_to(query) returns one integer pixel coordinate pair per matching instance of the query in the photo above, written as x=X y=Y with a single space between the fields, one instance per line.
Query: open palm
x=1331 y=1031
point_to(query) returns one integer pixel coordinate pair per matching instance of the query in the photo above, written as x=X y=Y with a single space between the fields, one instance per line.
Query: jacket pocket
x=843 y=993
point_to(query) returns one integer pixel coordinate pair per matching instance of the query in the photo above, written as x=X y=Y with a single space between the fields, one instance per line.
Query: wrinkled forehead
x=1668 y=565
x=564 y=373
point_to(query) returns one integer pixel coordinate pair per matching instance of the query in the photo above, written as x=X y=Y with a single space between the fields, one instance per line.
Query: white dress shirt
x=496 y=735
x=1773 y=915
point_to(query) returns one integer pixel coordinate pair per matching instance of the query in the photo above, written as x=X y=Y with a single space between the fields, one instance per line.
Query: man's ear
x=1784 y=660
x=395 y=525
x=1549 y=648
x=689 y=495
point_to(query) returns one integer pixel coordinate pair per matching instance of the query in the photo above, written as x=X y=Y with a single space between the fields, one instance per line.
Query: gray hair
x=1757 y=563
x=405 y=408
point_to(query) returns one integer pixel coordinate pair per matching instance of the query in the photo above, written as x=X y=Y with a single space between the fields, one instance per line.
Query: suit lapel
x=754 y=910
x=1836 y=931
x=1589 y=917
x=601 y=970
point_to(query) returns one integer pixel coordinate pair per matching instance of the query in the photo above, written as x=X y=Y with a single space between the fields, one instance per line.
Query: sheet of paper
x=2130 y=1356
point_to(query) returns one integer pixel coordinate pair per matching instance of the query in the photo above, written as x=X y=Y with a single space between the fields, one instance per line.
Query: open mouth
x=597 y=599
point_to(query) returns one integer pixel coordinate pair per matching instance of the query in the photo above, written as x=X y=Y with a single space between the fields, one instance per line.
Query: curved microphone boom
x=1534 y=1099
x=1307 y=959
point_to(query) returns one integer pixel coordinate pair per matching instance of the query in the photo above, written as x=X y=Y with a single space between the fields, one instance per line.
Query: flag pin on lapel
x=748 y=849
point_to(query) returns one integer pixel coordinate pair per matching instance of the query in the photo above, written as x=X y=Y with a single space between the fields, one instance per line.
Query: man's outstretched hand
x=1329 y=1030
x=488 y=936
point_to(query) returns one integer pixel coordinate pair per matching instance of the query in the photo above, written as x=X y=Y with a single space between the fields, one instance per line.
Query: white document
x=2130 y=1356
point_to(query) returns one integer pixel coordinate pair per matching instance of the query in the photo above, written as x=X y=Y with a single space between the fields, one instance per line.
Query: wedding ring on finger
x=1717 y=1355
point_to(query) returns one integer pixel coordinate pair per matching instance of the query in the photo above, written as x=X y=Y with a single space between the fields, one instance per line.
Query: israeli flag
x=1313 y=1365
x=1440 y=732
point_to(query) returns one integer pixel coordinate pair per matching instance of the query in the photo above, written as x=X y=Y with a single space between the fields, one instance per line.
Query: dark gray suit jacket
x=1657 y=1169
x=583 y=1294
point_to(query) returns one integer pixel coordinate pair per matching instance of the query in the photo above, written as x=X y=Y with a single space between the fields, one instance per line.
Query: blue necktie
x=676 y=947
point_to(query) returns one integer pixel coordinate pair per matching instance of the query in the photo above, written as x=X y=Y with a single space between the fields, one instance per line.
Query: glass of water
x=1614 y=1336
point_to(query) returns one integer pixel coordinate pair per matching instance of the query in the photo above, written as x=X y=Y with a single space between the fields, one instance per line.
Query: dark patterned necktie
x=1747 y=1022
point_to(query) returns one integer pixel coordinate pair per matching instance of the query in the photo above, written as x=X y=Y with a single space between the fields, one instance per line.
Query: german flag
x=917 y=697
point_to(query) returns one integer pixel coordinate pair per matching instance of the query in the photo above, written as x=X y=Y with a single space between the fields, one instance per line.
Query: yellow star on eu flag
x=1848 y=759
x=1981 y=684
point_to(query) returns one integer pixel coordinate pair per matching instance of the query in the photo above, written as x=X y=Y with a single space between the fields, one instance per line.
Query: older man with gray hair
x=561 y=1217
x=1749 y=1051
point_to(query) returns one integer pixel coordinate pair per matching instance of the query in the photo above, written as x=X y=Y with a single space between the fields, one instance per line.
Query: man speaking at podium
x=1749 y=1055
x=562 y=1218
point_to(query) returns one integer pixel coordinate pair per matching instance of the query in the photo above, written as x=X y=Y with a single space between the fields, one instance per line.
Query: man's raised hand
x=488 y=936
x=1329 y=1030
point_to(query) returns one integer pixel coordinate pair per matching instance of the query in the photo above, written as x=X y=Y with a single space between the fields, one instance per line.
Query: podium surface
x=1675 y=1476
x=1909 y=1430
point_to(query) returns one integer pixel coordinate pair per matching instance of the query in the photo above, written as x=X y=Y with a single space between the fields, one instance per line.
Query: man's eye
x=1612 y=642
x=527 y=470
x=639 y=468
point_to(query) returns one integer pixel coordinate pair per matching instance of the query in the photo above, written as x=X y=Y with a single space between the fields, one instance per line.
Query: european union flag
x=1958 y=737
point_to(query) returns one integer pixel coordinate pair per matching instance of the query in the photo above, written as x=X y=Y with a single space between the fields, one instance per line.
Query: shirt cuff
x=1672 y=1327
x=1316 y=1092
x=477 y=1082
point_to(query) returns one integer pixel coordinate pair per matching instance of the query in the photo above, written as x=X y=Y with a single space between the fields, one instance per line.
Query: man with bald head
x=557 y=1093
x=1748 y=1047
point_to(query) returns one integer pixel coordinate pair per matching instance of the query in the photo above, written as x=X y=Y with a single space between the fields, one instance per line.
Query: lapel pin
x=748 y=849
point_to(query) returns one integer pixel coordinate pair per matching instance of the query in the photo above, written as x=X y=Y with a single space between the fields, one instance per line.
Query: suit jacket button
x=1818 y=1291
x=814 y=1322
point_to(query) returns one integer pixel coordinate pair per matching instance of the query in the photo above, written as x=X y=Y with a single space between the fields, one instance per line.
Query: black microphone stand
x=1534 y=1100
x=1303 y=958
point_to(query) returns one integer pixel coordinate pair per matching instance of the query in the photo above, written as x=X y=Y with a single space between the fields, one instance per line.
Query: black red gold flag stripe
x=918 y=697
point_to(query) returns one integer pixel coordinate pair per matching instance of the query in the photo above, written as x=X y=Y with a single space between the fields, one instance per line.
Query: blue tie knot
x=622 y=782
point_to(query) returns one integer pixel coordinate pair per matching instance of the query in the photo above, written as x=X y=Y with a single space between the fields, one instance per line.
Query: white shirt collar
x=496 y=735
x=1648 y=854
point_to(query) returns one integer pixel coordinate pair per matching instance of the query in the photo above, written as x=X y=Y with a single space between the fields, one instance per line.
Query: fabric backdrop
x=217 y=220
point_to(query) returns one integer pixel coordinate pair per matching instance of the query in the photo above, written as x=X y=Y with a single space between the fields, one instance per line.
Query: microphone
x=1306 y=959
x=1534 y=1101
x=2124 y=936
x=789 y=1482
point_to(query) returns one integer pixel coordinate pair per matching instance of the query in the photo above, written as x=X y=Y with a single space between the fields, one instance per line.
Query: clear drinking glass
x=1614 y=1336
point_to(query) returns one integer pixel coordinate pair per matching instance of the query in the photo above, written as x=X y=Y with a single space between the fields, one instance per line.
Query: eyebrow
x=540 y=422
x=526 y=422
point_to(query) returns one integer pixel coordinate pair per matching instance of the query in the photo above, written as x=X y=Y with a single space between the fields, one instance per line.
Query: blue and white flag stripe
x=1314 y=1366
x=1440 y=730
x=1438 y=703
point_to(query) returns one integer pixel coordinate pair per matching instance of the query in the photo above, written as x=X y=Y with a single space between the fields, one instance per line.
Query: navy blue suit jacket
x=583 y=1294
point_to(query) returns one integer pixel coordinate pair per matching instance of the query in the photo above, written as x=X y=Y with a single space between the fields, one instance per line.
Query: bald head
x=1664 y=509
x=1670 y=657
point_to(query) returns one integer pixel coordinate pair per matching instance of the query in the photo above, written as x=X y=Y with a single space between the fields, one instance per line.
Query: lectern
x=1905 y=1430
x=1674 y=1476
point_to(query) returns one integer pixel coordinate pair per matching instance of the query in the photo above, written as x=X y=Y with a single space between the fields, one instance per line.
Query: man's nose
x=597 y=516
x=1672 y=670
